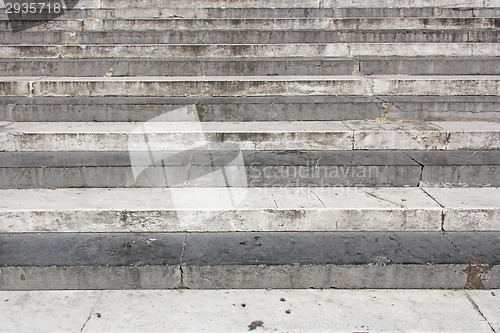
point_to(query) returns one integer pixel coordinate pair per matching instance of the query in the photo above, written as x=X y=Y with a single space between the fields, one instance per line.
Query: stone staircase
x=250 y=144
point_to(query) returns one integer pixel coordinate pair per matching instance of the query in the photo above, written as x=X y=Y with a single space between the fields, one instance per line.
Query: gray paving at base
x=235 y=310
x=248 y=37
x=242 y=260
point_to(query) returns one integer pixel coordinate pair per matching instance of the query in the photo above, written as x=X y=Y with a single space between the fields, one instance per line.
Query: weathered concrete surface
x=389 y=135
x=262 y=169
x=280 y=310
x=284 y=108
x=469 y=208
x=323 y=50
x=90 y=261
x=430 y=108
x=487 y=302
x=139 y=109
x=208 y=210
x=220 y=86
x=485 y=136
x=314 y=135
x=458 y=168
x=482 y=251
x=304 y=260
x=149 y=13
x=232 y=260
x=249 y=67
x=261 y=24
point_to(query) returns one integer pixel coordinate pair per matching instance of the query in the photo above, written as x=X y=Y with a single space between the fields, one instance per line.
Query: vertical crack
x=91 y=311
x=443 y=209
x=181 y=283
x=478 y=310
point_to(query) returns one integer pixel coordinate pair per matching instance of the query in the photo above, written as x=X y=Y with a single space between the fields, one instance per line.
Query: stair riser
x=262 y=13
x=89 y=68
x=256 y=176
x=342 y=50
x=248 y=37
x=252 y=86
x=150 y=25
x=248 y=260
x=251 y=109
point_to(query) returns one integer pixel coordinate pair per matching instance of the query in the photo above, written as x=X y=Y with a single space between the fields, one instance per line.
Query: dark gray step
x=260 y=13
x=250 y=260
x=258 y=169
x=259 y=24
x=140 y=109
x=254 y=66
x=248 y=37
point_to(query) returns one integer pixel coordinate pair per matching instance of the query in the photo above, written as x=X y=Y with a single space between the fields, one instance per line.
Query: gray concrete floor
x=251 y=310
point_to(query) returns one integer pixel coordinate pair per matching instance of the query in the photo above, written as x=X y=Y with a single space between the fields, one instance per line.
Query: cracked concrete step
x=313 y=135
x=287 y=108
x=320 y=311
x=235 y=51
x=255 y=169
x=259 y=24
x=250 y=260
x=151 y=12
x=233 y=86
x=243 y=37
x=250 y=67
x=271 y=209
x=281 y=4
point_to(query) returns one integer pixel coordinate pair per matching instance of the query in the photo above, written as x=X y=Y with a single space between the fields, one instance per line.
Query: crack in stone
x=91 y=312
x=476 y=307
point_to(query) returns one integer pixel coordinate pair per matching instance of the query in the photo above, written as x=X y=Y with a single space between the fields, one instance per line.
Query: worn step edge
x=176 y=51
x=263 y=24
x=249 y=209
x=250 y=67
x=311 y=135
x=221 y=86
x=249 y=260
x=257 y=169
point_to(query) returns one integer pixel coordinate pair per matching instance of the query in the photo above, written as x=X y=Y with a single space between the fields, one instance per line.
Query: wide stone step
x=200 y=209
x=314 y=135
x=249 y=260
x=282 y=310
x=322 y=50
x=233 y=86
x=165 y=12
x=253 y=169
x=243 y=37
x=259 y=24
x=280 y=4
x=287 y=108
x=250 y=67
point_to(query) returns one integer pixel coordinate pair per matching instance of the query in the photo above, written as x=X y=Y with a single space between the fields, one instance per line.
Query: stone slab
x=488 y=304
x=486 y=137
x=348 y=50
x=209 y=210
x=300 y=260
x=280 y=310
x=469 y=208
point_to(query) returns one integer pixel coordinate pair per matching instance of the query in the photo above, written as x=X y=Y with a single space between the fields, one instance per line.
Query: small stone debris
x=255 y=324
x=243 y=305
x=282 y=299
x=288 y=311
x=98 y=315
